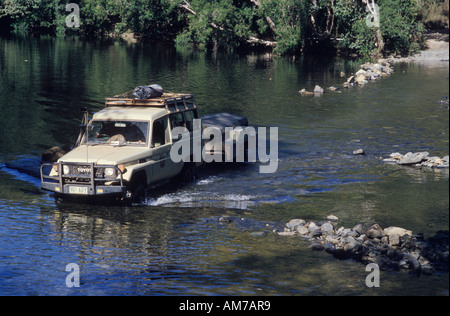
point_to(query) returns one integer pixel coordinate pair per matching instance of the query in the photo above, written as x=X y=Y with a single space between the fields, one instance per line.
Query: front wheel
x=138 y=190
x=188 y=174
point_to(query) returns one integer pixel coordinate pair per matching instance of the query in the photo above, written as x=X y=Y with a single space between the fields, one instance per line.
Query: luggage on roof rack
x=147 y=92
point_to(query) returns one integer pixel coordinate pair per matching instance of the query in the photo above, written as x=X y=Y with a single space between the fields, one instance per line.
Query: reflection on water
x=175 y=242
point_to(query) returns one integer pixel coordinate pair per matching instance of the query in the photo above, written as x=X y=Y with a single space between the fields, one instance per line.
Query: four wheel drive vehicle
x=126 y=148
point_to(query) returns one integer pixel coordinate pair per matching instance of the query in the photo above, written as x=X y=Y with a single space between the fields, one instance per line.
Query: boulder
x=374 y=231
x=359 y=152
x=302 y=230
x=361 y=79
x=397 y=156
x=413 y=158
x=318 y=90
x=392 y=230
x=327 y=227
x=54 y=153
x=358 y=228
x=332 y=218
x=293 y=223
x=304 y=92
x=394 y=240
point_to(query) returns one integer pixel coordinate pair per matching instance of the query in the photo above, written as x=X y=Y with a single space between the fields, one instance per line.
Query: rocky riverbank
x=436 y=54
x=392 y=248
x=369 y=72
x=418 y=159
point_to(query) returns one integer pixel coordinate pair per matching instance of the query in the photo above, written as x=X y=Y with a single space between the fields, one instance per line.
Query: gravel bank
x=436 y=54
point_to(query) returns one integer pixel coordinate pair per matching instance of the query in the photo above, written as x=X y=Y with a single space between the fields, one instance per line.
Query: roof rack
x=173 y=102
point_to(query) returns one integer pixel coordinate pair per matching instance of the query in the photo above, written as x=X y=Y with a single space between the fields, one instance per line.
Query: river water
x=174 y=244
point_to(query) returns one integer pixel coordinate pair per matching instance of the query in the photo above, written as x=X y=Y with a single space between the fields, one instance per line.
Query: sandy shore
x=435 y=55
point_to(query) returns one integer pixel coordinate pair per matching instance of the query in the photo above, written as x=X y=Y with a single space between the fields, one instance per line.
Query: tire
x=138 y=188
x=188 y=174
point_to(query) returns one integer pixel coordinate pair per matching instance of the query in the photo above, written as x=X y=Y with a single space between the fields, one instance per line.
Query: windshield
x=117 y=133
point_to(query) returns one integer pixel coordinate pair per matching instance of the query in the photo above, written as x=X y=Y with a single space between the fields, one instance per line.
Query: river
x=174 y=244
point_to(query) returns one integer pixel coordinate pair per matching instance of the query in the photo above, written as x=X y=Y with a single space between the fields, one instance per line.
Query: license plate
x=78 y=190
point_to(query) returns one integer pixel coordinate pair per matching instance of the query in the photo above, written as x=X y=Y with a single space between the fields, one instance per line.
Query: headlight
x=66 y=169
x=110 y=172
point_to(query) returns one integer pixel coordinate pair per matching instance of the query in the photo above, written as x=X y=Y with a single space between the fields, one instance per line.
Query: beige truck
x=128 y=147
x=125 y=148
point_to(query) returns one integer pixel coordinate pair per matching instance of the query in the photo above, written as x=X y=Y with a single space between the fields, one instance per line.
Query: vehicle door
x=163 y=167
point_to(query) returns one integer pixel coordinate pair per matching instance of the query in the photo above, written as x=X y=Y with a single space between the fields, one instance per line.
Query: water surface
x=174 y=244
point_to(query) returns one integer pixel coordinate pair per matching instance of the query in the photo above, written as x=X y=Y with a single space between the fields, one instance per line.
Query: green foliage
x=290 y=18
x=218 y=24
x=230 y=24
x=400 y=25
x=400 y=28
x=156 y=19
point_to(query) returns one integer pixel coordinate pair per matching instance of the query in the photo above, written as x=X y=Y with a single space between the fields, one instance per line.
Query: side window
x=190 y=115
x=160 y=132
x=177 y=119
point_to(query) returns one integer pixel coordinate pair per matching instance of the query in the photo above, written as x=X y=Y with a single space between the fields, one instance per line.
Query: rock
x=333 y=88
x=327 y=227
x=293 y=223
x=397 y=156
x=351 y=246
x=413 y=158
x=311 y=226
x=342 y=74
x=318 y=90
x=225 y=219
x=351 y=80
x=332 y=218
x=286 y=233
x=304 y=92
x=360 y=72
x=259 y=234
x=359 y=152
x=361 y=80
x=378 y=67
x=374 y=231
x=302 y=230
x=358 y=228
x=54 y=153
x=413 y=263
x=392 y=230
x=367 y=66
x=353 y=233
x=316 y=245
x=394 y=240
x=332 y=239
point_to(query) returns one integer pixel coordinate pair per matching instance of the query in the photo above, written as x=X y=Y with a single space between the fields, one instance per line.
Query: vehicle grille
x=84 y=170
x=80 y=170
